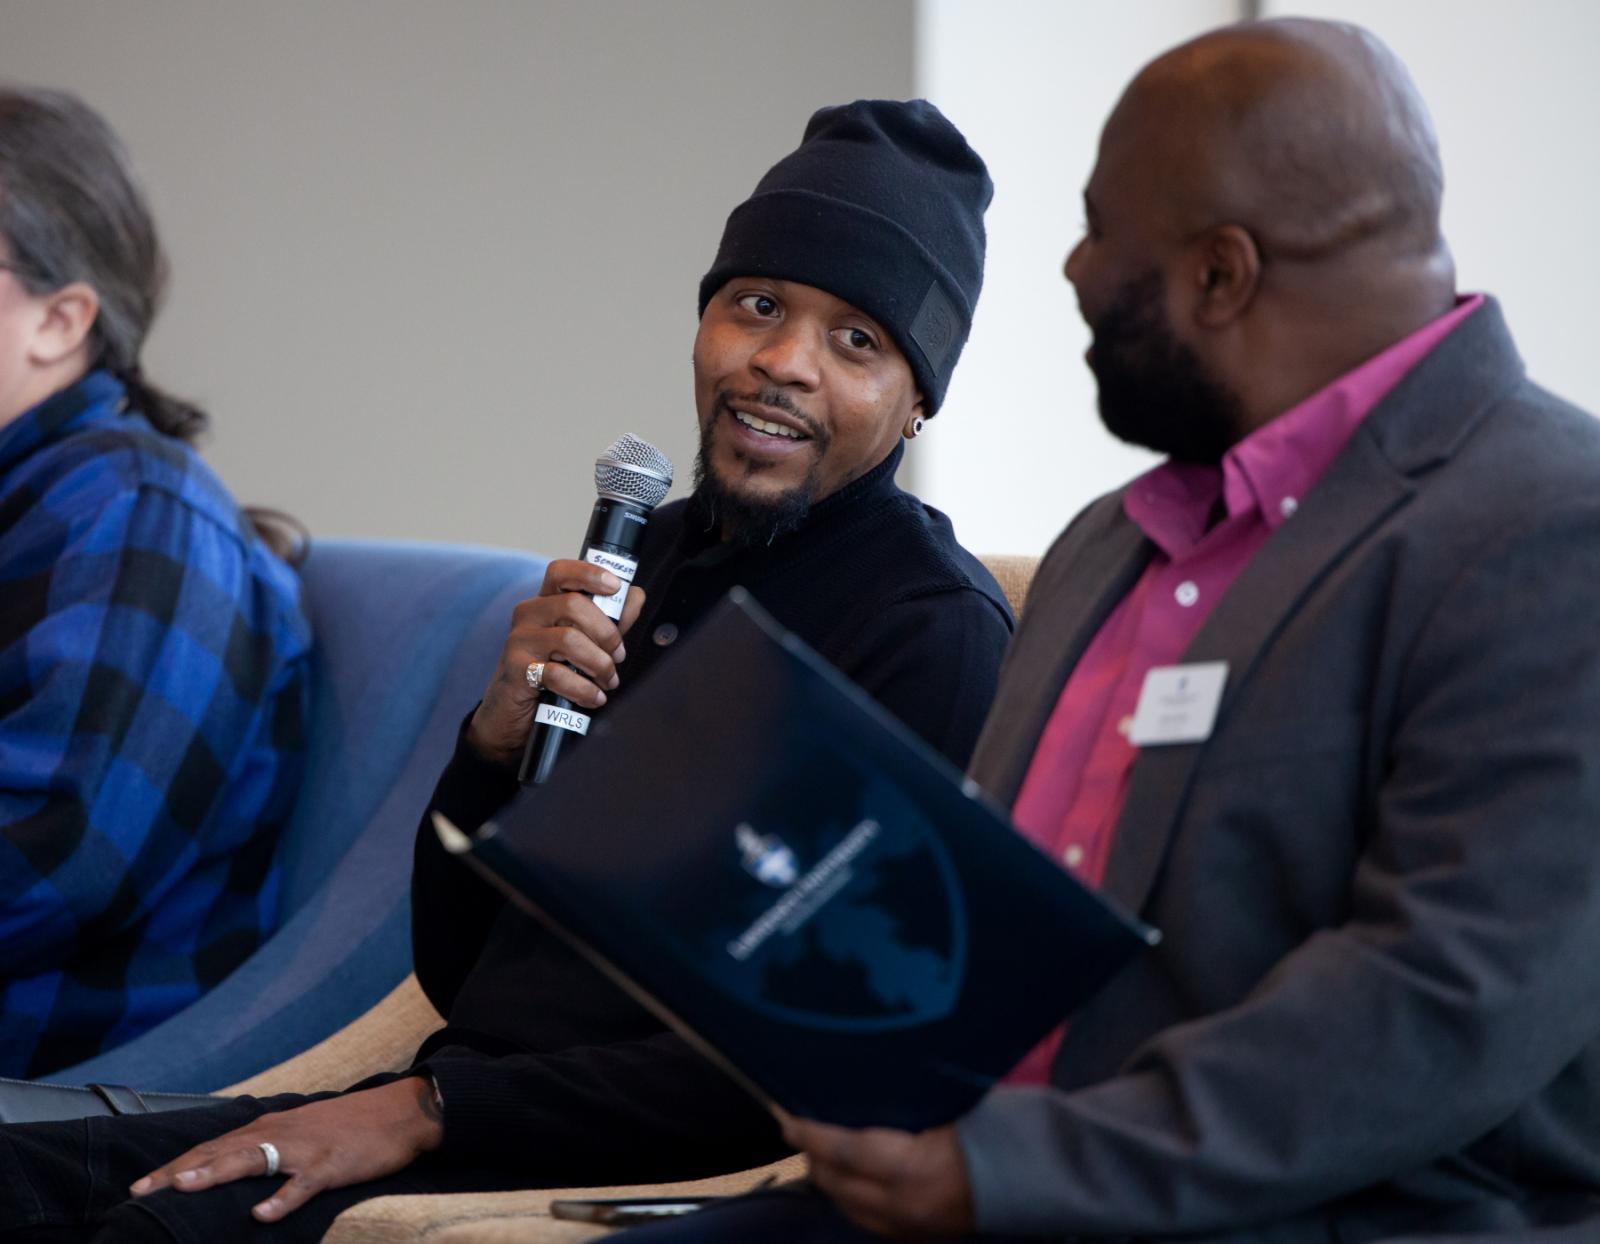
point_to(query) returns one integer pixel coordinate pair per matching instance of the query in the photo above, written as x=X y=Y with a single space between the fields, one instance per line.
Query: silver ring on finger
x=270 y=1152
x=535 y=676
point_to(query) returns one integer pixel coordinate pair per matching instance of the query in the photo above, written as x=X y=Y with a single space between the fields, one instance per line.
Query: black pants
x=69 y=1181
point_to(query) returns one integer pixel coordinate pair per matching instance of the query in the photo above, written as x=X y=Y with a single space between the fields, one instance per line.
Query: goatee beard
x=1154 y=391
x=747 y=521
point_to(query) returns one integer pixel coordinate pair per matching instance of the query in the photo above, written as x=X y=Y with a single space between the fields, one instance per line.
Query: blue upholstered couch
x=406 y=635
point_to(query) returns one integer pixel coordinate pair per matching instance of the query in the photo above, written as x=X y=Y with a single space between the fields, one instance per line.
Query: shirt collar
x=97 y=398
x=1270 y=471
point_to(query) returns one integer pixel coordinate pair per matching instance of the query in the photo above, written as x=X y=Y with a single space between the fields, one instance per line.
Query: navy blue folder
x=789 y=877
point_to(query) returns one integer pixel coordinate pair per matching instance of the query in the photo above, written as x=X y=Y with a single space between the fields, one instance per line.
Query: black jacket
x=546 y=1064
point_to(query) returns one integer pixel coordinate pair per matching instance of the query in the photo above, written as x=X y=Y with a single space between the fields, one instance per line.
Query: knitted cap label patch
x=936 y=326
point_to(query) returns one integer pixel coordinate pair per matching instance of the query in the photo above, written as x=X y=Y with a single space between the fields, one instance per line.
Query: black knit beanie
x=881 y=205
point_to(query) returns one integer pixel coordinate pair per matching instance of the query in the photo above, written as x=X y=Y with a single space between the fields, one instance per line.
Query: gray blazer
x=1376 y=1009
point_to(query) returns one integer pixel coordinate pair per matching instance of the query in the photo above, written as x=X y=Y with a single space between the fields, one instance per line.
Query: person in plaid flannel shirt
x=153 y=651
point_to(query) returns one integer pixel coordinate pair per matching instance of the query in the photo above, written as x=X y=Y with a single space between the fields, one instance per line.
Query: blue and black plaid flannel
x=153 y=698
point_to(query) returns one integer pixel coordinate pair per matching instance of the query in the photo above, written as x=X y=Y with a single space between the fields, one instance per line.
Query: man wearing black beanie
x=882 y=206
x=873 y=228
x=831 y=320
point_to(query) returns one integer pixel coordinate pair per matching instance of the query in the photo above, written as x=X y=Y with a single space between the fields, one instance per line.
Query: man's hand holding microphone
x=560 y=627
x=565 y=644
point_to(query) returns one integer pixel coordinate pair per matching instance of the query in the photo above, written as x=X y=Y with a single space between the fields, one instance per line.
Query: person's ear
x=917 y=419
x=63 y=321
x=1227 y=275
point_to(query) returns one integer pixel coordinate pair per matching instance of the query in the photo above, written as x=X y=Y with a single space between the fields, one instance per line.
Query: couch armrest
x=515 y=1217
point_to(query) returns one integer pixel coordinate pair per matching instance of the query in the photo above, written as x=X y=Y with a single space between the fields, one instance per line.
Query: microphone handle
x=616 y=530
x=544 y=743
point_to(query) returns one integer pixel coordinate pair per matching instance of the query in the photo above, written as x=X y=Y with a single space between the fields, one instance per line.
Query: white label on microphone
x=624 y=568
x=565 y=718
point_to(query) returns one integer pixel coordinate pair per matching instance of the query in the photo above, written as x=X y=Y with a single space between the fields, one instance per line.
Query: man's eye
x=763 y=305
x=856 y=338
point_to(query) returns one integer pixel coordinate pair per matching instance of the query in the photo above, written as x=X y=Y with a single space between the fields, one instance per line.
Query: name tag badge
x=1178 y=704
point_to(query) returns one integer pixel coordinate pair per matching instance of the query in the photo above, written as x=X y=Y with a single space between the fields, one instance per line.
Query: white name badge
x=1178 y=704
x=624 y=568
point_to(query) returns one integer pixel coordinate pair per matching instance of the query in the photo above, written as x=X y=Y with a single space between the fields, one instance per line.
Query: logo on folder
x=854 y=920
x=766 y=858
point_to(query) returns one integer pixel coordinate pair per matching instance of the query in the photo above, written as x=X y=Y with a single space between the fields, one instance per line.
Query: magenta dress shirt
x=1073 y=792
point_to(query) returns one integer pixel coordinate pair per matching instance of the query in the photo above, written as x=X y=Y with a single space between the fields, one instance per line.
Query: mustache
x=776 y=399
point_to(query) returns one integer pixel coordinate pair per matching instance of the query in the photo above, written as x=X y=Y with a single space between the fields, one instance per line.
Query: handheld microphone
x=631 y=477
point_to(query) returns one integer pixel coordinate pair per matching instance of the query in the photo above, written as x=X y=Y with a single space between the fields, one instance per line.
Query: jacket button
x=665 y=634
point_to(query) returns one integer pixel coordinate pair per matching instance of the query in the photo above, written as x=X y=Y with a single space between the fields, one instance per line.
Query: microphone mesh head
x=633 y=470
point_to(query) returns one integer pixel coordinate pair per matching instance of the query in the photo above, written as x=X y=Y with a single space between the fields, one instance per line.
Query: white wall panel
x=1516 y=101
x=1018 y=448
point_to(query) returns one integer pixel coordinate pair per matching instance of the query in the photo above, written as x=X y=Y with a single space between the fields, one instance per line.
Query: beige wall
x=430 y=258
x=432 y=255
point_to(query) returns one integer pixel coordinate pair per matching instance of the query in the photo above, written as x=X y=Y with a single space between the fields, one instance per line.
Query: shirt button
x=1188 y=592
x=1288 y=506
x=1073 y=855
x=665 y=634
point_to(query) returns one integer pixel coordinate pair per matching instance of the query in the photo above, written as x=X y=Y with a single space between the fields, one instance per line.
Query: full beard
x=746 y=520
x=1154 y=390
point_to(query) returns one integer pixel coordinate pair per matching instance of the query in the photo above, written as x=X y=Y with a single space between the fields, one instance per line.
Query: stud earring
x=914 y=428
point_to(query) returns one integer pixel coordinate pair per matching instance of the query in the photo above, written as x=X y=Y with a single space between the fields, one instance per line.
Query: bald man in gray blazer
x=1379 y=876
x=1375 y=1013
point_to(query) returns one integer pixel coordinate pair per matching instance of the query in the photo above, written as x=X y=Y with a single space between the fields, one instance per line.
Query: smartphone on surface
x=623 y=1211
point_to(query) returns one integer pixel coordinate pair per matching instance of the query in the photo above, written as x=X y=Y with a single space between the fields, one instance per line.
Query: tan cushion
x=384 y=1039
x=1014 y=573
x=523 y=1217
